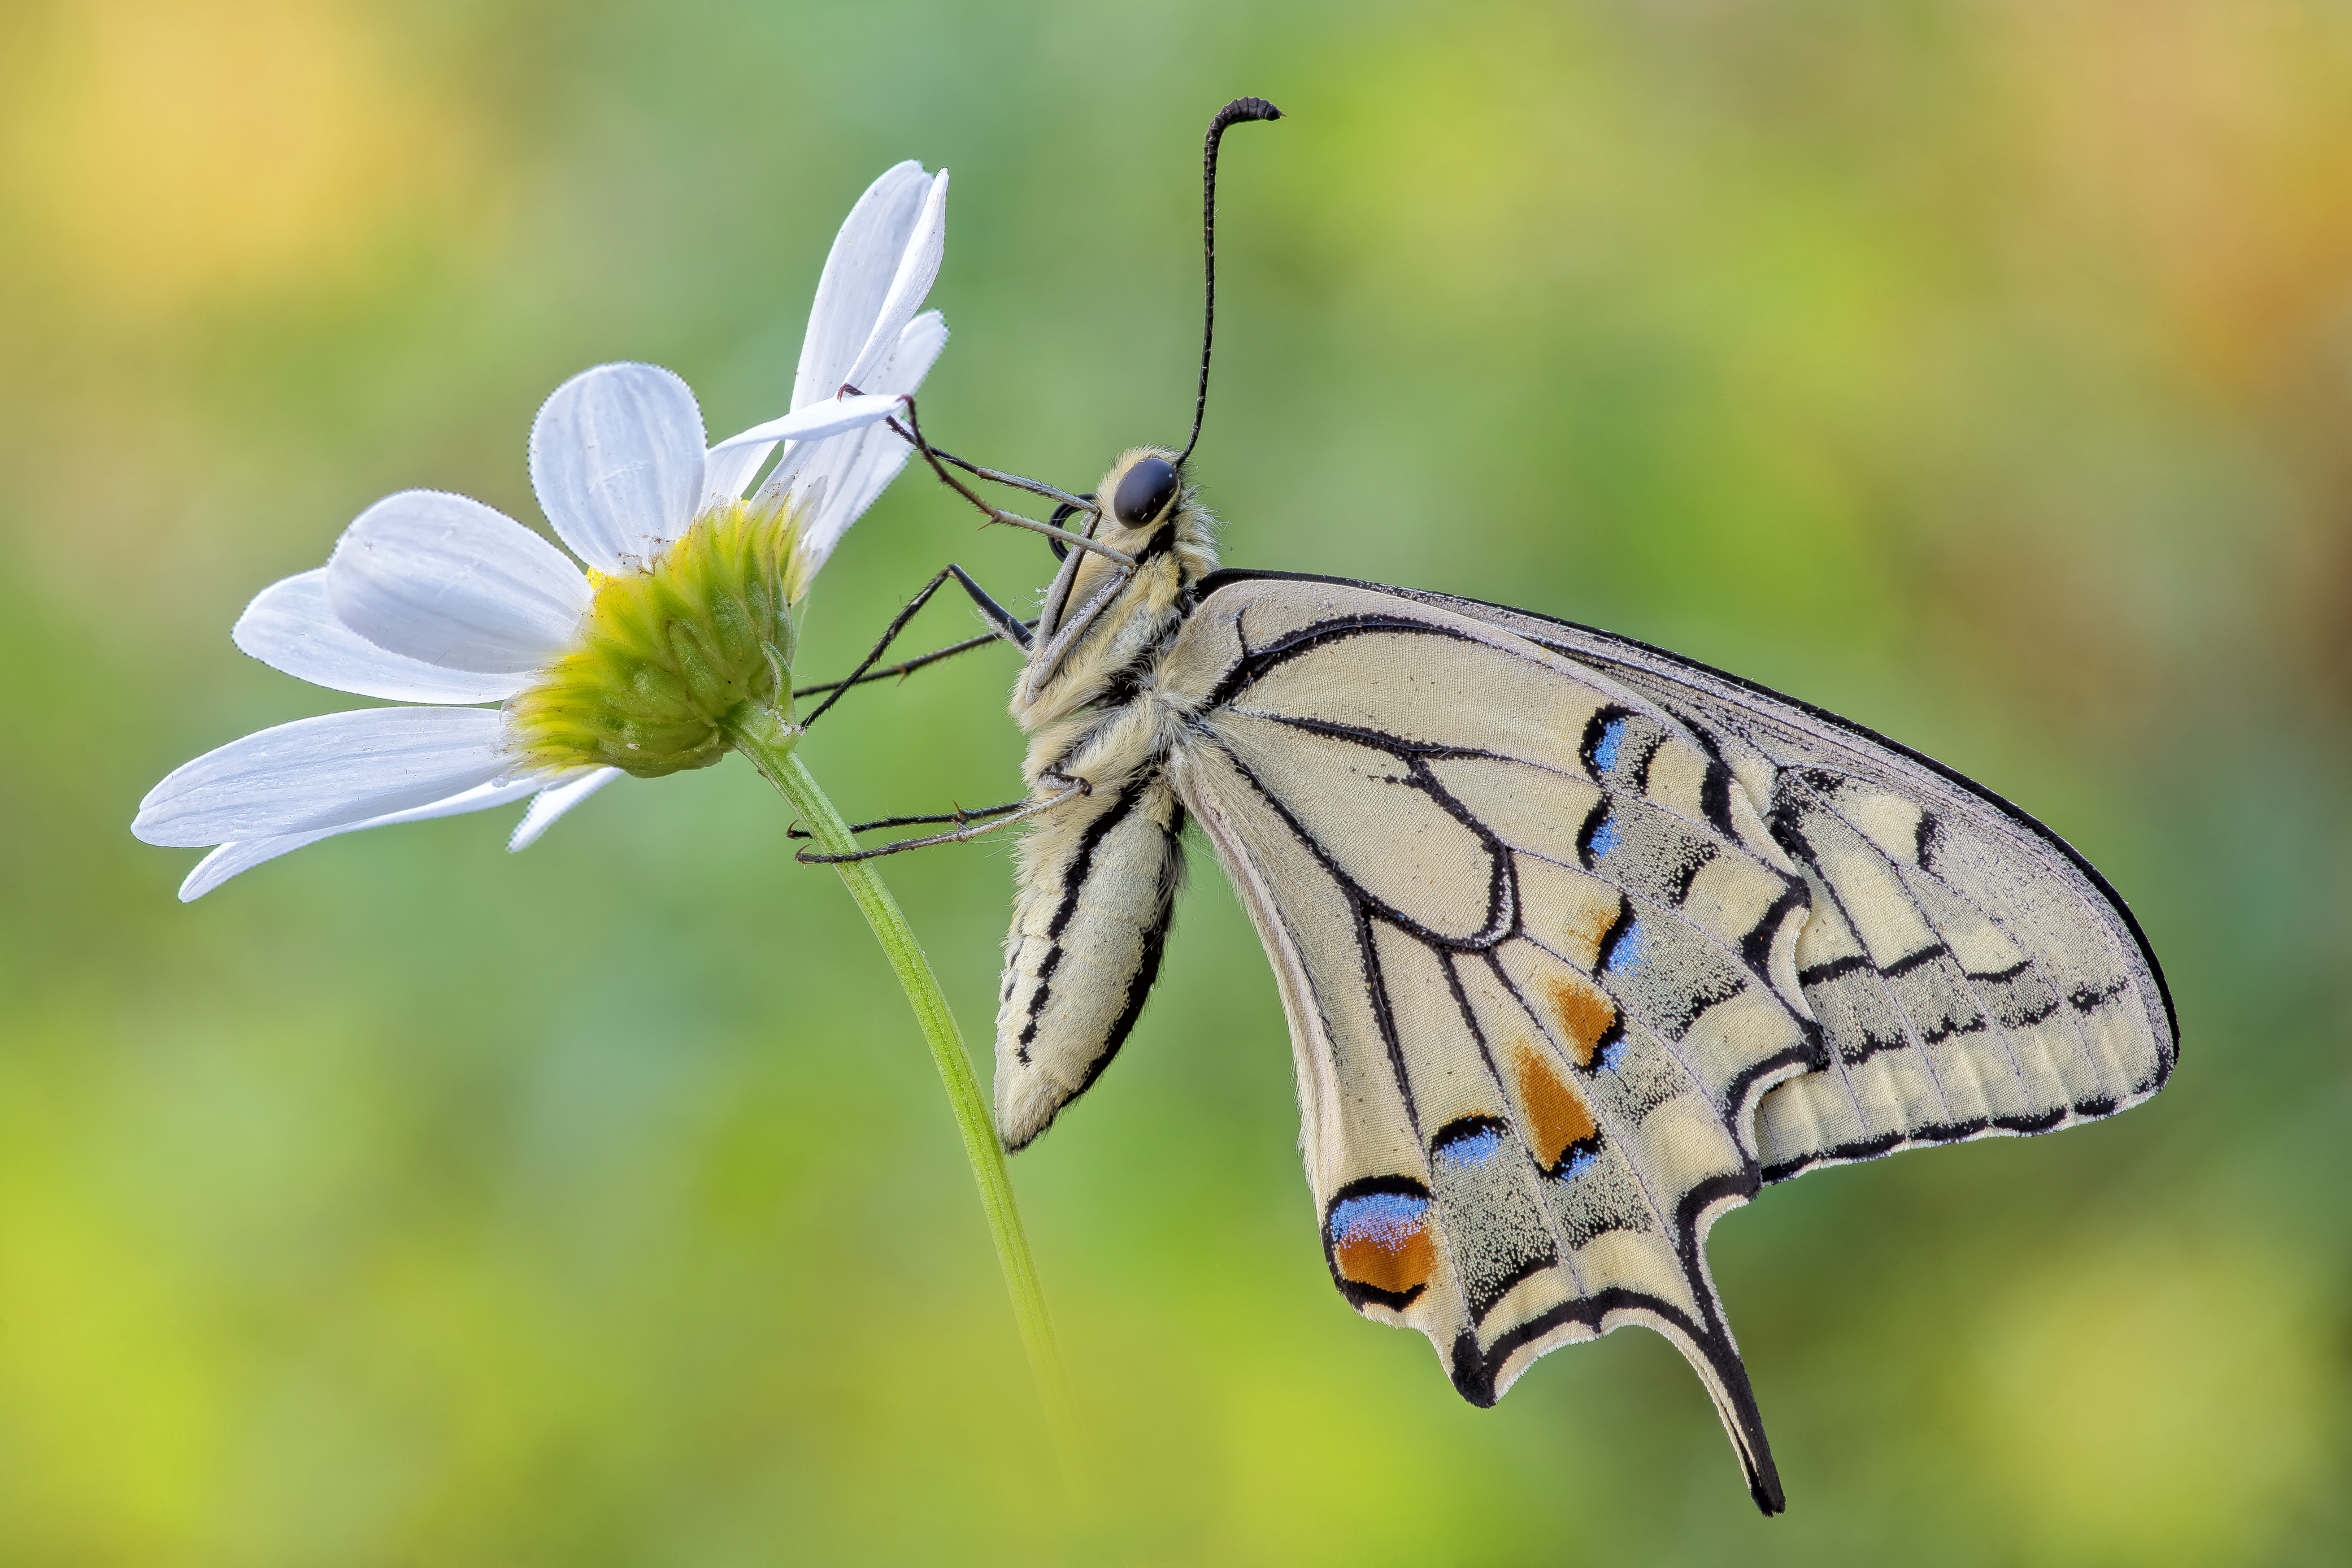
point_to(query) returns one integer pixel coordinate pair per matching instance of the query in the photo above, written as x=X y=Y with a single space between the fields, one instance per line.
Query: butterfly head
x=1103 y=612
x=1154 y=518
x=1154 y=512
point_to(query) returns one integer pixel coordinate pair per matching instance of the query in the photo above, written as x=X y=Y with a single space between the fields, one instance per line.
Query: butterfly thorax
x=1093 y=687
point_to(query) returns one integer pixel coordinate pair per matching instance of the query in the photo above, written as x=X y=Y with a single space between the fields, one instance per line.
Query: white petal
x=836 y=499
x=817 y=421
x=902 y=373
x=328 y=771
x=448 y=581
x=858 y=469
x=231 y=858
x=918 y=348
x=917 y=268
x=727 y=470
x=550 y=804
x=857 y=276
x=797 y=454
x=616 y=458
x=291 y=627
x=864 y=261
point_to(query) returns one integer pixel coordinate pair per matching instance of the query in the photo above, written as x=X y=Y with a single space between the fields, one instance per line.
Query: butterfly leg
x=959 y=817
x=1004 y=626
x=1044 y=662
x=1072 y=789
x=912 y=431
x=904 y=667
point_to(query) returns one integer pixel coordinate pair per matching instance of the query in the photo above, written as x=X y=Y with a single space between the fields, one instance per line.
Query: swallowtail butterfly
x=1580 y=944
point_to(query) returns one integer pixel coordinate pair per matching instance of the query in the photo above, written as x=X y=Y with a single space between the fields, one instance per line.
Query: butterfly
x=1580 y=944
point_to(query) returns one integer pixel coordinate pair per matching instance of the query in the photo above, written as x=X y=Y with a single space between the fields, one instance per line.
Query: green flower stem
x=763 y=736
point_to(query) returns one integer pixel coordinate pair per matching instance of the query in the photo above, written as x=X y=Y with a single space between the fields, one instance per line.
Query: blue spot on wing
x=1476 y=1148
x=1604 y=837
x=1631 y=947
x=1576 y=1164
x=1604 y=755
x=1388 y=1220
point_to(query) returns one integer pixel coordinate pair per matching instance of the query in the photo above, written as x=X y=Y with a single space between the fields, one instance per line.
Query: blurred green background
x=1981 y=370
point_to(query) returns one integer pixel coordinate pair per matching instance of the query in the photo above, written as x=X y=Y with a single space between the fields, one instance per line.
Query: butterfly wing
x=1973 y=975
x=1539 y=954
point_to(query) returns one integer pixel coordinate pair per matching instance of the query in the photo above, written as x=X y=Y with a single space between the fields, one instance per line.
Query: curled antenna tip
x=1244 y=108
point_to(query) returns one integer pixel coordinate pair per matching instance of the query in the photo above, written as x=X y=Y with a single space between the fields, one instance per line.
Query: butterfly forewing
x=1972 y=975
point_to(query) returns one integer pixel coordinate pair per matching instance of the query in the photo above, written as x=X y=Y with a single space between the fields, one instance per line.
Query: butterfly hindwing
x=1539 y=951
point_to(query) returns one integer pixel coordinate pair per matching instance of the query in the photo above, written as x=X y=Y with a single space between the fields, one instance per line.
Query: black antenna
x=1238 y=110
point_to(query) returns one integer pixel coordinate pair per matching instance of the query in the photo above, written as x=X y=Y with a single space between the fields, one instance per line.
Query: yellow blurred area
x=1981 y=369
x=2156 y=1401
x=172 y=152
x=115 y=1401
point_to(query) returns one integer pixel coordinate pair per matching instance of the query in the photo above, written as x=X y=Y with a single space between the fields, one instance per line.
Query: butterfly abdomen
x=1098 y=881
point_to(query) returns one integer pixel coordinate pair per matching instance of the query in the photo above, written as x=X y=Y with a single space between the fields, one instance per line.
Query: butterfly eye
x=1145 y=492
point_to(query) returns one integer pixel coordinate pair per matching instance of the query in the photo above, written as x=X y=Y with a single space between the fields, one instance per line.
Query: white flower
x=431 y=598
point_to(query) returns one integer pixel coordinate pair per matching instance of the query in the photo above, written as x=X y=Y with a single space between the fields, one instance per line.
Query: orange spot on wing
x=1584 y=1013
x=1557 y=1115
x=1398 y=1263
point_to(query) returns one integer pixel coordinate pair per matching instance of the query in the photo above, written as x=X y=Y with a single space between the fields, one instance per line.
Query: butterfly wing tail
x=1717 y=1362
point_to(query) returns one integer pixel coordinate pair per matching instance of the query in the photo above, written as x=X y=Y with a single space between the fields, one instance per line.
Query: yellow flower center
x=666 y=652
